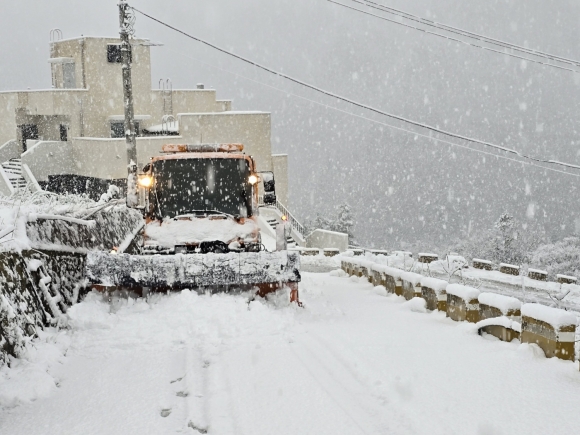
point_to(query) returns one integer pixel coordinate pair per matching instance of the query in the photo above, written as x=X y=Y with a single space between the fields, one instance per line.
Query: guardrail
x=552 y=329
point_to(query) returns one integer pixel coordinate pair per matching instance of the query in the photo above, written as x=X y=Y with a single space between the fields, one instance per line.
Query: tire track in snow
x=195 y=390
x=382 y=399
x=340 y=390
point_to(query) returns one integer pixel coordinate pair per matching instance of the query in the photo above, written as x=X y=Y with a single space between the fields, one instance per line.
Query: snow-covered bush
x=343 y=223
x=506 y=242
x=562 y=257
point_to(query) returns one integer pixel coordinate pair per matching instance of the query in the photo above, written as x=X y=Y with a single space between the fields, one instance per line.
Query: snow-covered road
x=354 y=361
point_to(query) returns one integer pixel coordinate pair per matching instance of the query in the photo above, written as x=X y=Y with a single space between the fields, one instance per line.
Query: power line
x=414 y=133
x=355 y=103
x=450 y=38
x=456 y=30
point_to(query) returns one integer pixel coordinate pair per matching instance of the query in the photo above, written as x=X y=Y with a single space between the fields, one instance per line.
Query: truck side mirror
x=269 y=187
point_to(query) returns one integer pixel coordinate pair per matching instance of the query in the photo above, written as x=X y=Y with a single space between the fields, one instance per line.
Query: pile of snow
x=320 y=263
x=192 y=270
x=437 y=285
x=504 y=321
x=339 y=273
x=413 y=278
x=503 y=303
x=418 y=305
x=464 y=292
x=552 y=316
x=190 y=230
x=32 y=376
x=44 y=220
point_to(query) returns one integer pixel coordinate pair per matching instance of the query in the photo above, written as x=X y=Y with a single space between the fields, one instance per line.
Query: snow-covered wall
x=24 y=304
x=42 y=265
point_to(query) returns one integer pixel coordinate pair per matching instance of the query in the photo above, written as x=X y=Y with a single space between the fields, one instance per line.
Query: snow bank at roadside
x=33 y=377
x=73 y=223
x=552 y=316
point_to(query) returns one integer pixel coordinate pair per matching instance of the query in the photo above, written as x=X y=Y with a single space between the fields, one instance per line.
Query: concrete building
x=71 y=138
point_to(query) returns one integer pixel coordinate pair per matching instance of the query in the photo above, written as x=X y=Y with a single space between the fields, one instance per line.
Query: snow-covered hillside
x=352 y=361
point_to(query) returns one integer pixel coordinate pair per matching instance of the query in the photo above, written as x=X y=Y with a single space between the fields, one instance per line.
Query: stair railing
x=297 y=226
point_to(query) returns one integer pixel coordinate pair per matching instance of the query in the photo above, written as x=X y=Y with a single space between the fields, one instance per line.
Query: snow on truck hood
x=195 y=230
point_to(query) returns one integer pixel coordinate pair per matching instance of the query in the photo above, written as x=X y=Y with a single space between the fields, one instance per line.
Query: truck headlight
x=252 y=179
x=145 y=181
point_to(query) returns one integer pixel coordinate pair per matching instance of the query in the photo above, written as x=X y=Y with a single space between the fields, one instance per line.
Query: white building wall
x=280 y=167
x=49 y=158
x=252 y=129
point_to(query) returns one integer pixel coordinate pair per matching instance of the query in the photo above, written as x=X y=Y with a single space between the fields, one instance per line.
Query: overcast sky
x=403 y=188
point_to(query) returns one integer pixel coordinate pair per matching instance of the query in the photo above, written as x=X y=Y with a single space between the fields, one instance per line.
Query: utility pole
x=126 y=30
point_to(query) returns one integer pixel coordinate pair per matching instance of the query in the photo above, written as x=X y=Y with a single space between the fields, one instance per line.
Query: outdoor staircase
x=13 y=169
x=290 y=240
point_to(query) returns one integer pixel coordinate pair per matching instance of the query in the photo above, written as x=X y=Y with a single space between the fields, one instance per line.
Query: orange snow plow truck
x=200 y=229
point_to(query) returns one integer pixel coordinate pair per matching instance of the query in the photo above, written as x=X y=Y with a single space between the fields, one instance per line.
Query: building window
x=29 y=131
x=63 y=133
x=118 y=129
x=114 y=54
x=68 y=76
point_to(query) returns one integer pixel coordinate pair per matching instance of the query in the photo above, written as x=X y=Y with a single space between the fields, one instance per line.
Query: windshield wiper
x=204 y=212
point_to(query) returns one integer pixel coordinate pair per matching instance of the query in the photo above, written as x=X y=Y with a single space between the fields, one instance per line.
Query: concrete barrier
x=309 y=251
x=330 y=252
x=565 y=279
x=552 y=329
x=499 y=316
x=411 y=283
x=433 y=290
x=481 y=264
x=538 y=275
x=462 y=303
x=509 y=269
x=427 y=258
x=379 y=252
x=390 y=278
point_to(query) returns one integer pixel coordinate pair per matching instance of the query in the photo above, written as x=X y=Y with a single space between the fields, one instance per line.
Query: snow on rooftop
x=552 y=316
x=501 y=302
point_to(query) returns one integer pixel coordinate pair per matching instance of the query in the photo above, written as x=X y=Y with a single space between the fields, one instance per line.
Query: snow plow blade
x=268 y=271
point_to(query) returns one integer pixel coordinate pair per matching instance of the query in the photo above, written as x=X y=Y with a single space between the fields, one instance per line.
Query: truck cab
x=202 y=199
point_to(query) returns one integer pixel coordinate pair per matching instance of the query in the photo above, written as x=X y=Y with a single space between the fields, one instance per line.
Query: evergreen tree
x=344 y=222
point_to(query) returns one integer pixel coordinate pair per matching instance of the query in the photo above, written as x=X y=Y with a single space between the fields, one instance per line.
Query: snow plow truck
x=200 y=229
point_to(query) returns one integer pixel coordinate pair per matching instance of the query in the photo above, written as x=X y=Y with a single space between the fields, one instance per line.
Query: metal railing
x=296 y=226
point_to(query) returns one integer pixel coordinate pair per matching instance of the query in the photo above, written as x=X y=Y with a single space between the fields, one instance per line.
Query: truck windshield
x=195 y=186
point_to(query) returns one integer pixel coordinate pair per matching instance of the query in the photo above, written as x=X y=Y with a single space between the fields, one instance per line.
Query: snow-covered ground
x=354 y=360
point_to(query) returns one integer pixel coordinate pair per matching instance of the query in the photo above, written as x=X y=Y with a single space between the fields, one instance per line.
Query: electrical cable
x=410 y=132
x=458 y=31
x=355 y=103
x=450 y=38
